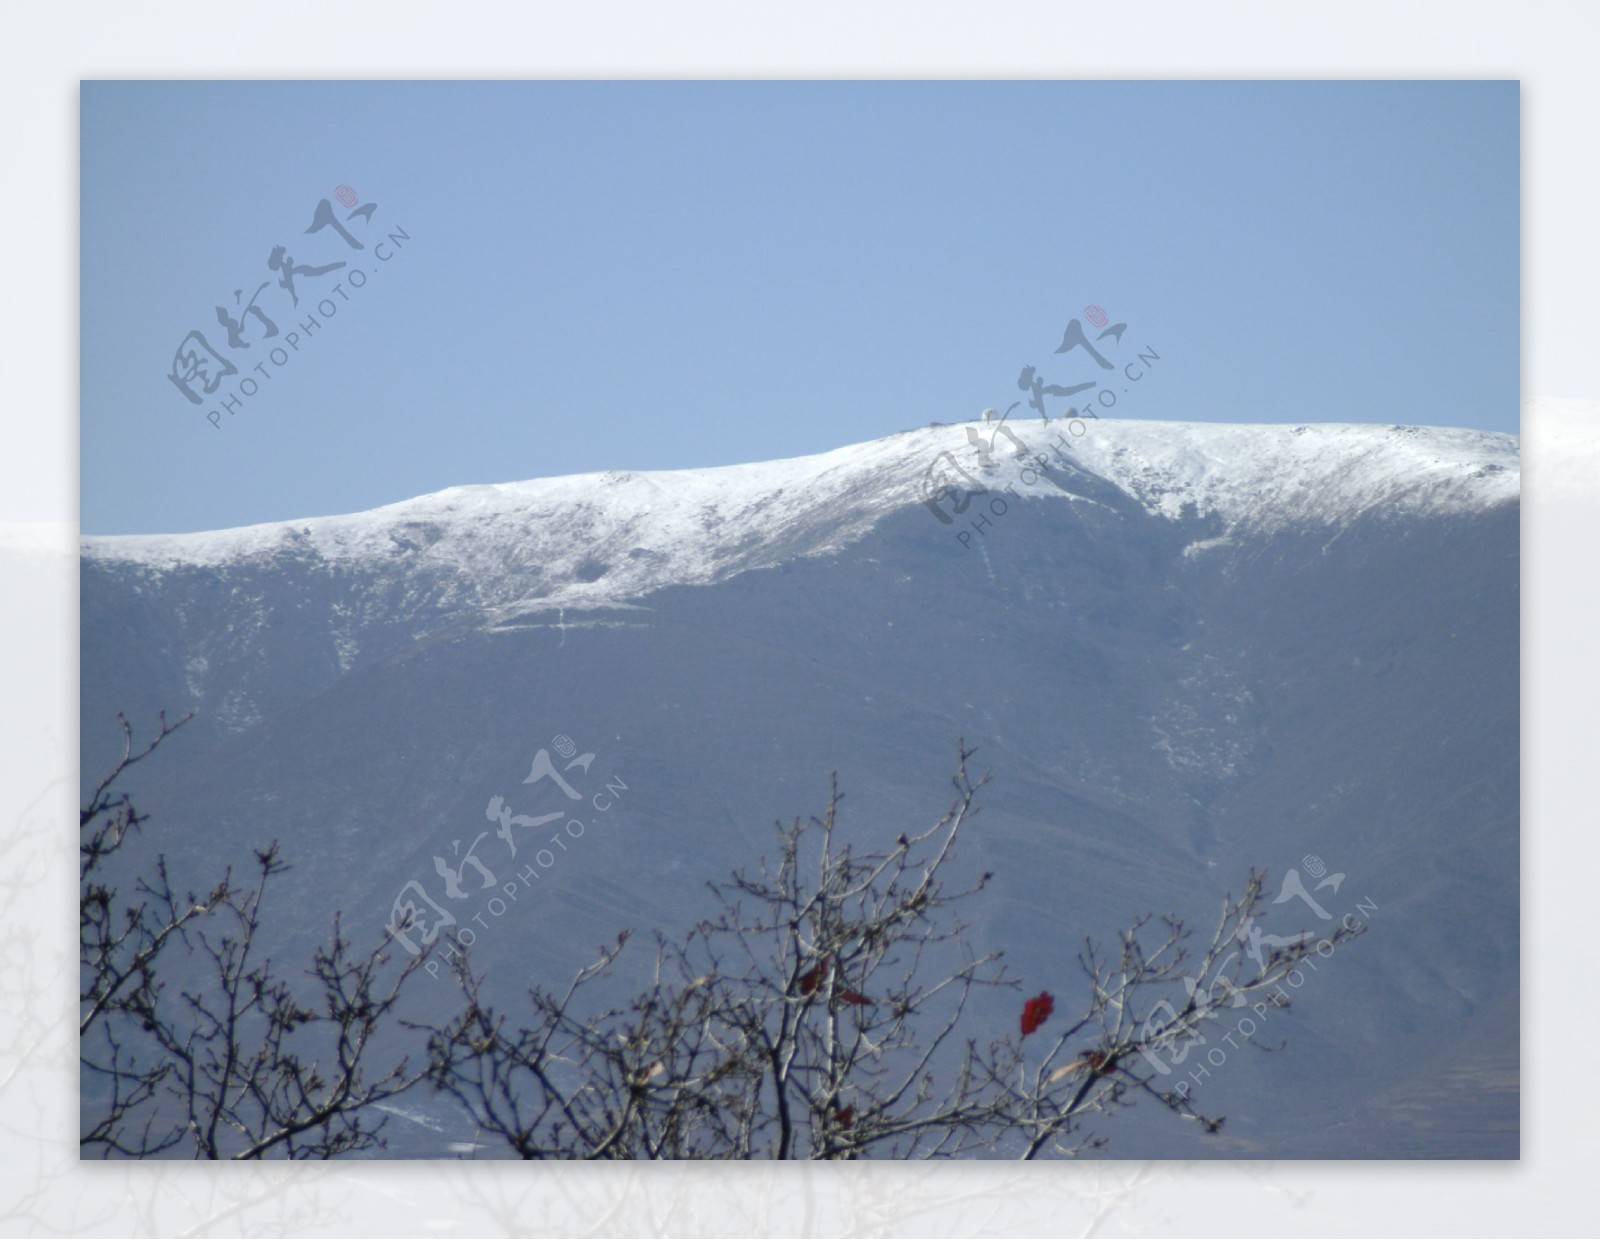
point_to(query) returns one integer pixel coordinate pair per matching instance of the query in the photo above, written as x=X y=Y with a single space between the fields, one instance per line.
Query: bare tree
x=821 y=1010
x=824 y=1009
x=240 y=1062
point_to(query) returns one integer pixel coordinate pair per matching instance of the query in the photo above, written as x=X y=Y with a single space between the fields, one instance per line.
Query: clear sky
x=666 y=275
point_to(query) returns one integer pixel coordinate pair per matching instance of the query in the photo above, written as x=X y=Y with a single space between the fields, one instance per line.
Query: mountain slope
x=1183 y=650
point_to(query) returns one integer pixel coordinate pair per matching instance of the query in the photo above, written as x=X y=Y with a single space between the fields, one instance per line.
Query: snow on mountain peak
x=607 y=537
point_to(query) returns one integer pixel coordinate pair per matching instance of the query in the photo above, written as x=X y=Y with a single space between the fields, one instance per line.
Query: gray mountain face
x=1181 y=650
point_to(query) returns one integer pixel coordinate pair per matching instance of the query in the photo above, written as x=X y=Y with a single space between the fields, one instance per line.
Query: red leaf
x=1036 y=1011
x=812 y=978
x=846 y=1116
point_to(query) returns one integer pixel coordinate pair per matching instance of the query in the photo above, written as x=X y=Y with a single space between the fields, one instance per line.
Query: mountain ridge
x=1163 y=465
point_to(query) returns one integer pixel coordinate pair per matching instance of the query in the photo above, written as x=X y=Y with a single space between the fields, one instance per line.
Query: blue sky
x=667 y=275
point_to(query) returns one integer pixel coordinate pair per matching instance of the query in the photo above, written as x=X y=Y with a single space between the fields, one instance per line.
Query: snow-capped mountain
x=595 y=538
x=1182 y=649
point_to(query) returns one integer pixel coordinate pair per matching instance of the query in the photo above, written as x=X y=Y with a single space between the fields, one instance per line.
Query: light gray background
x=1550 y=47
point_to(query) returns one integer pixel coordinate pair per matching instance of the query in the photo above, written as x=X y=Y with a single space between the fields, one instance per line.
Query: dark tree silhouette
x=239 y=1062
x=822 y=1009
x=819 y=1012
